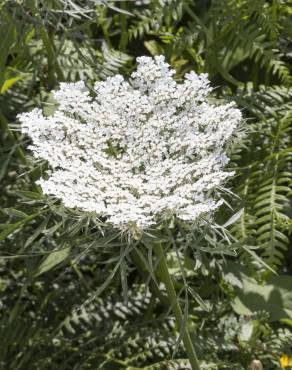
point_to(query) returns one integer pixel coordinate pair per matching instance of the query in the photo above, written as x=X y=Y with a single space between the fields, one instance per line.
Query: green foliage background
x=71 y=298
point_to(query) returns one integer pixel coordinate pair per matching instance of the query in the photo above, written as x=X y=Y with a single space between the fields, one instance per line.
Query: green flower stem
x=54 y=69
x=166 y=279
x=124 y=35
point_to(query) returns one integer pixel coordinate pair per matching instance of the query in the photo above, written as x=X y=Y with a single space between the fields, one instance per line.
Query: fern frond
x=266 y=175
x=271 y=202
x=112 y=61
x=147 y=21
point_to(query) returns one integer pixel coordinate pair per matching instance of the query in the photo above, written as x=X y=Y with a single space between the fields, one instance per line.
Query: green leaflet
x=274 y=297
x=52 y=260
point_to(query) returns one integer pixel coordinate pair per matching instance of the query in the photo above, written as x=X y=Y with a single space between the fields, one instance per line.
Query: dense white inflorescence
x=137 y=151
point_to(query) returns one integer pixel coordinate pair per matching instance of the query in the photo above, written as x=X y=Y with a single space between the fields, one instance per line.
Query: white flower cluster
x=137 y=151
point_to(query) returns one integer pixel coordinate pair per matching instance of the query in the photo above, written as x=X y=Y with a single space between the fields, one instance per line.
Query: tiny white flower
x=137 y=151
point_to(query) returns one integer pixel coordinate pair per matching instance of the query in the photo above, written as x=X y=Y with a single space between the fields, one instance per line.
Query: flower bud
x=256 y=365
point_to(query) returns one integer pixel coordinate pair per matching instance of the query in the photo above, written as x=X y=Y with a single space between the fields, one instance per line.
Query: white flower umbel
x=135 y=151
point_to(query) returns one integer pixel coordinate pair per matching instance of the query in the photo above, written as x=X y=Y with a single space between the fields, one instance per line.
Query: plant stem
x=124 y=34
x=54 y=68
x=166 y=279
